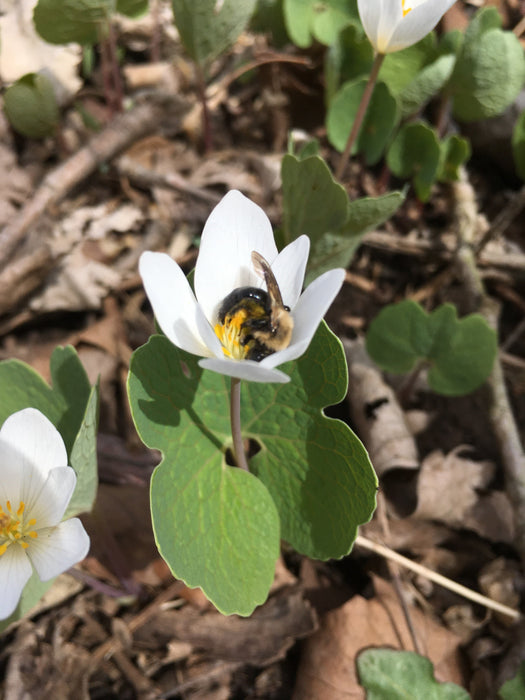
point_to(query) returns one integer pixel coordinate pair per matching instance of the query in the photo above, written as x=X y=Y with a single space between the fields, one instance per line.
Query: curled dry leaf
x=449 y=491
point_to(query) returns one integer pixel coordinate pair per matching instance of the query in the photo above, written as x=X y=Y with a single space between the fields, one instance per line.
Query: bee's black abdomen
x=238 y=295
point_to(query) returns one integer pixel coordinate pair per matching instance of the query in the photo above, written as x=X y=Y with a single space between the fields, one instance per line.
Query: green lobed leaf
x=378 y=124
x=307 y=20
x=217 y=526
x=455 y=151
x=336 y=249
x=400 y=68
x=313 y=202
x=489 y=71
x=65 y=21
x=518 y=145
x=415 y=152
x=426 y=84
x=207 y=28
x=461 y=352
x=514 y=689
x=350 y=57
x=31 y=106
x=387 y=674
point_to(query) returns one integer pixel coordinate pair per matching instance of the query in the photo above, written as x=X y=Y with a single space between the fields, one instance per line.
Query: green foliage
x=460 y=352
x=269 y=18
x=350 y=57
x=71 y=404
x=31 y=106
x=490 y=69
x=79 y=21
x=132 y=8
x=321 y=20
x=518 y=145
x=400 y=68
x=207 y=31
x=514 y=689
x=426 y=84
x=387 y=674
x=415 y=153
x=378 y=124
x=316 y=205
x=311 y=482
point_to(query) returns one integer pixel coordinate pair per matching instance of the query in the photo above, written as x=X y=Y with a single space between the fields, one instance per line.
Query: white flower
x=36 y=486
x=234 y=229
x=392 y=25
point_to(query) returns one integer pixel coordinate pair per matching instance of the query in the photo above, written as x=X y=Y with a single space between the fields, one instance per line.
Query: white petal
x=49 y=505
x=245 y=369
x=30 y=446
x=379 y=19
x=418 y=23
x=289 y=268
x=235 y=228
x=57 y=548
x=15 y=572
x=173 y=302
x=308 y=312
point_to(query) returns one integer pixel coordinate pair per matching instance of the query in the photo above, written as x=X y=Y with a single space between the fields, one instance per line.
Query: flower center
x=14 y=528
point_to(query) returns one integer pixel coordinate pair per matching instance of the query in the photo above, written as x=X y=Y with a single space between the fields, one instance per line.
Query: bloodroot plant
x=230 y=487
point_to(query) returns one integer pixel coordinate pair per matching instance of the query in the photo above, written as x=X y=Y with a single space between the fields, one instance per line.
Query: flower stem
x=235 y=418
x=361 y=111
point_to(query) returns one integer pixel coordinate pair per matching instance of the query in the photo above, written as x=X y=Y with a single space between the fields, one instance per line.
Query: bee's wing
x=263 y=269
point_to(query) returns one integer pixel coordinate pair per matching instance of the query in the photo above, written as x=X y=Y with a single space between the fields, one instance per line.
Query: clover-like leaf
x=489 y=71
x=31 y=106
x=378 y=124
x=426 y=84
x=217 y=526
x=387 y=674
x=400 y=68
x=460 y=352
x=455 y=151
x=416 y=152
x=307 y=20
x=63 y=21
x=313 y=202
x=207 y=27
x=349 y=58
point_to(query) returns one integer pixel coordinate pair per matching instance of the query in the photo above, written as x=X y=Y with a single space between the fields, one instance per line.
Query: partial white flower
x=36 y=486
x=392 y=25
x=234 y=229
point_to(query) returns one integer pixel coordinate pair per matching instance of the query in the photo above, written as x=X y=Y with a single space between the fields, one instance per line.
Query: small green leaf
x=31 y=106
x=207 y=27
x=400 y=68
x=65 y=21
x=489 y=71
x=518 y=145
x=350 y=57
x=514 y=689
x=217 y=526
x=313 y=202
x=318 y=19
x=461 y=352
x=387 y=674
x=84 y=459
x=132 y=8
x=426 y=84
x=378 y=124
x=415 y=152
x=455 y=151
x=336 y=249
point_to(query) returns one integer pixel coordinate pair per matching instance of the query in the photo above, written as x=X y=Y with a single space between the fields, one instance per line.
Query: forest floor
x=119 y=626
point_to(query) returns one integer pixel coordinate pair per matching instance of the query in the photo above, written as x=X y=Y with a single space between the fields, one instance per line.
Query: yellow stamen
x=405 y=11
x=14 y=529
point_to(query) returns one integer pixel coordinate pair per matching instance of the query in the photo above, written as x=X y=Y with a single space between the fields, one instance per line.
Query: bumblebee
x=254 y=323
